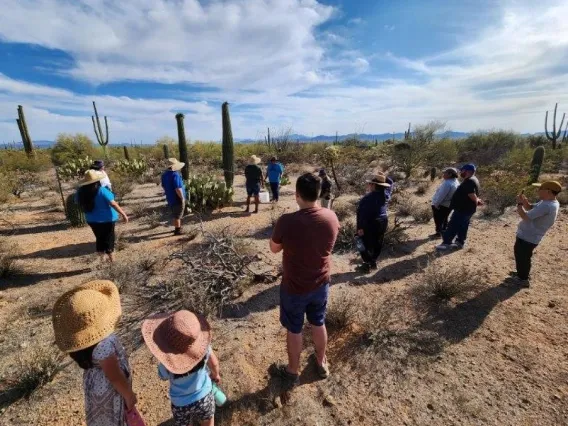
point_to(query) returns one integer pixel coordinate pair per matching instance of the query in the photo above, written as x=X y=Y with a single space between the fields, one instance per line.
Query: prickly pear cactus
x=74 y=213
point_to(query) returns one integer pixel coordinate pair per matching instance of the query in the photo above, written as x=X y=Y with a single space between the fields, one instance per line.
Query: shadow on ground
x=63 y=252
x=27 y=279
x=39 y=229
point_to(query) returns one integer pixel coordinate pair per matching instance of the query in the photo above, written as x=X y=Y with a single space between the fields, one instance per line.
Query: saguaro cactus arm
x=183 y=155
x=555 y=134
x=102 y=138
x=228 y=146
x=23 y=127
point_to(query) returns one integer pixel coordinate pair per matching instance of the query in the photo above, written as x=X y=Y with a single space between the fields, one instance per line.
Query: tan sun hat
x=178 y=340
x=91 y=176
x=550 y=185
x=379 y=180
x=254 y=159
x=84 y=316
x=174 y=164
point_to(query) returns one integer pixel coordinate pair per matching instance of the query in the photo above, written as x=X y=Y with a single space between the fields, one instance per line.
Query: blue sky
x=314 y=66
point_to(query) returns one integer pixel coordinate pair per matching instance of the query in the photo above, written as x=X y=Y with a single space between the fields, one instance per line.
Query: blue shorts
x=293 y=307
x=253 y=189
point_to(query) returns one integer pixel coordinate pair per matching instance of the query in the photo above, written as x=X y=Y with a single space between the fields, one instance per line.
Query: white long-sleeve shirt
x=445 y=192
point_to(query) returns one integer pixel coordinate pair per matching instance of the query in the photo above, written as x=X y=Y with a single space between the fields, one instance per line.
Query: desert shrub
x=343 y=209
x=405 y=206
x=422 y=188
x=152 y=219
x=70 y=147
x=422 y=213
x=442 y=153
x=500 y=189
x=138 y=209
x=396 y=236
x=121 y=185
x=341 y=312
x=444 y=283
x=346 y=238
x=285 y=180
x=486 y=148
x=8 y=258
x=33 y=370
x=75 y=168
x=18 y=160
x=128 y=273
x=563 y=198
x=208 y=193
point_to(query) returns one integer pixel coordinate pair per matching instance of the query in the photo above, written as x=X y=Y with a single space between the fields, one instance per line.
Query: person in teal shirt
x=101 y=211
x=274 y=173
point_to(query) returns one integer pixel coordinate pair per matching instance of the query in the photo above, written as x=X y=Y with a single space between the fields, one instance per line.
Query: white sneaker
x=443 y=247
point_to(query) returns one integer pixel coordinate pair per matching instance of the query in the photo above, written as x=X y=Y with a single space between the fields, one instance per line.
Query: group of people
x=85 y=318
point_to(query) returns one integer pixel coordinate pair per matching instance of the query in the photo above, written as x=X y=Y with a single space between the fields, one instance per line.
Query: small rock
x=329 y=401
x=551 y=304
x=430 y=407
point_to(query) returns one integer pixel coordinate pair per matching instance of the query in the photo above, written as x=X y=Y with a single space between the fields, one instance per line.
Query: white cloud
x=505 y=78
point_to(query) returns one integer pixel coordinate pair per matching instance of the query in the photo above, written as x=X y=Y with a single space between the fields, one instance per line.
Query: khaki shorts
x=177 y=210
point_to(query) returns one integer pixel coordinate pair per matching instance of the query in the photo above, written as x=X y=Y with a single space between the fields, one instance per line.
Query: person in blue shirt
x=101 y=211
x=174 y=188
x=274 y=173
x=372 y=220
x=181 y=342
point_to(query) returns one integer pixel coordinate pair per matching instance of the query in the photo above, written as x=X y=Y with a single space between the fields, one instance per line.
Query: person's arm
x=115 y=206
x=213 y=364
x=522 y=213
x=179 y=192
x=473 y=195
x=275 y=243
x=362 y=213
x=118 y=380
x=536 y=211
x=274 y=247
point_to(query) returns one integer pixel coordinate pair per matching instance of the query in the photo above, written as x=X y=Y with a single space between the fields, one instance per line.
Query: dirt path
x=504 y=360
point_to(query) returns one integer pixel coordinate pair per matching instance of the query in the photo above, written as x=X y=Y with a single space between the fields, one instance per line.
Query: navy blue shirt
x=170 y=182
x=371 y=207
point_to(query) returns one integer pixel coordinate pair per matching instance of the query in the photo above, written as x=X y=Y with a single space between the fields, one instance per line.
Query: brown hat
x=91 y=176
x=380 y=180
x=551 y=185
x=179 y=340
x=84 y=316
x=174 y=164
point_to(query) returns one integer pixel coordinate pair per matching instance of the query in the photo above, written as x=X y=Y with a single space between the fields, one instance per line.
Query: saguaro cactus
x=102 y=139
x=166 y=151
x=126 y=153
x=183 y=156
x=433 y=173
x=565 y=136
x=555 y=135
x=536 y=164
x=407 y=133
x=74 y=213
x=23 y=126
x=228 y=146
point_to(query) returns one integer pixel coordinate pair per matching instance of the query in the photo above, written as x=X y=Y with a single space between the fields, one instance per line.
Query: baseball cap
x=469 y=167
x=550 y=185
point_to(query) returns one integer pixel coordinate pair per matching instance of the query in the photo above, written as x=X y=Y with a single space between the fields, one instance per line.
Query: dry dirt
x=499 y=358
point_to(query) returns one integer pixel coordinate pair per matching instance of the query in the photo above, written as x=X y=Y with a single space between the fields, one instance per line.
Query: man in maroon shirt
x=306 y=238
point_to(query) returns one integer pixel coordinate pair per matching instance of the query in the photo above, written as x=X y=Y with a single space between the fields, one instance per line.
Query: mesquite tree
x=555 y=135
x=102 y=139
x=228 y=146
x=23 y=126
x=183 y=156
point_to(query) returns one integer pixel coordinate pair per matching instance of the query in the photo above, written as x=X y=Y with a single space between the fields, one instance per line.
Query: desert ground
x=494 y=355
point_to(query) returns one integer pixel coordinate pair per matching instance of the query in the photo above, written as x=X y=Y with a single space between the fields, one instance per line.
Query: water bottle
x=220 y=397
x=359 y=244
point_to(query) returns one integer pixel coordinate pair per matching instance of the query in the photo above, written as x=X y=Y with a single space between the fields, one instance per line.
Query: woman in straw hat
x=372 y=221
x=181 y=342
x=100 y=209
x=254 y=179
x=84 y=320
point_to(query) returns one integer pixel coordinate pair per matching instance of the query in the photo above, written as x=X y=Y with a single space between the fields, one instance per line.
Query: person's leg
x=256 y=198
x=523 y=258
x=294 y=348
x=463 y=227
x=274 y=189
x=369 y=242
x=315 y=312
x=292 y=311
x=383 y=224
x=249 y=194
x=444 y=215
x=177 y=223
x=437 y=219
x=99 y=240
x=452 y=229
x=110 y=240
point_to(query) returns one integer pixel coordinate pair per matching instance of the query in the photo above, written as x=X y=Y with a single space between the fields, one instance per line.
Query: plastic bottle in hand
x=220 y=397
x=359 y=244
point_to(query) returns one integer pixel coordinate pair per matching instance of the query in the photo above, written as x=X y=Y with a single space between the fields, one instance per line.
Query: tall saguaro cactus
x=536 y=164
x=228 y=146
x=102 y=139
x=23 y=126
x=555 y=135
x=126 y=153
x=407 y=133
x=183 y=156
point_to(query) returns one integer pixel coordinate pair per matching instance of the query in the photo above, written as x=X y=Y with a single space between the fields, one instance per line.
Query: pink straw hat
x=179 y=340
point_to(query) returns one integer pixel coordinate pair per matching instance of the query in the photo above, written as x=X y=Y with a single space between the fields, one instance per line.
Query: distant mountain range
x=302 y=138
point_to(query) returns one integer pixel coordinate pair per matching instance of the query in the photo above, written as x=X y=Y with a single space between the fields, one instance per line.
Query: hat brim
x=90 y=181
x=174 y=361
x=178 y=166
x=386 y=185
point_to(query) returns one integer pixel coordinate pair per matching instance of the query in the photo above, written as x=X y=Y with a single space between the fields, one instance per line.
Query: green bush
x=132 y=168
x=207 y=193
x=500 y=189
x=70 y=147
x=18 y=160
x=121 y=185
x=486 y=148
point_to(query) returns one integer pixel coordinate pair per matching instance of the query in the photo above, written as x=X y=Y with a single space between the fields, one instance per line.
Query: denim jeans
x=275 y=188
x=441 y=215
x=457 y=227
x=523 y=256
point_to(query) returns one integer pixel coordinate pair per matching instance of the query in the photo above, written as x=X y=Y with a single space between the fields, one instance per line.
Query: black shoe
x=178 y=232
x=290 y=380
x=373 y=266
x=365 y=268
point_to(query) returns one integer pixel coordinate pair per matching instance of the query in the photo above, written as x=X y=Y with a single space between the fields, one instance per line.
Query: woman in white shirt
x=99 y=166
x=442 y=199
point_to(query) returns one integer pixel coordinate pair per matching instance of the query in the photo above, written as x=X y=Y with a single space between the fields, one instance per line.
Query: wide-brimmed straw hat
x=551 y=185
x=254 y=159
x=84 y=316
x=91 y=176
x=174 y=164
x=380 y=180
x=179 y=340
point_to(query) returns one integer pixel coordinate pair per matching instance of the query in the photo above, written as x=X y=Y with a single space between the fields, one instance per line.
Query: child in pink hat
x=181 y=341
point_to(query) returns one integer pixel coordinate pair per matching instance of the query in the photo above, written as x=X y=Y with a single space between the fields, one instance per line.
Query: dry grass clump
x=342 y=311
x=153 y=219
x=422 y=188
x=345 y=242
x=422 y=213
x=396 y=235
x=138 y=209
x=34 y=370
x=563 y=198
x=404 y=205
x=442 y=284
x=343 y=209
x=9 y=253
x=129 y=273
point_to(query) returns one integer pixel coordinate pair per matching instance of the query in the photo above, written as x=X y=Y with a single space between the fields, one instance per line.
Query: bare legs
x=294 y=347
x=256 y=203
